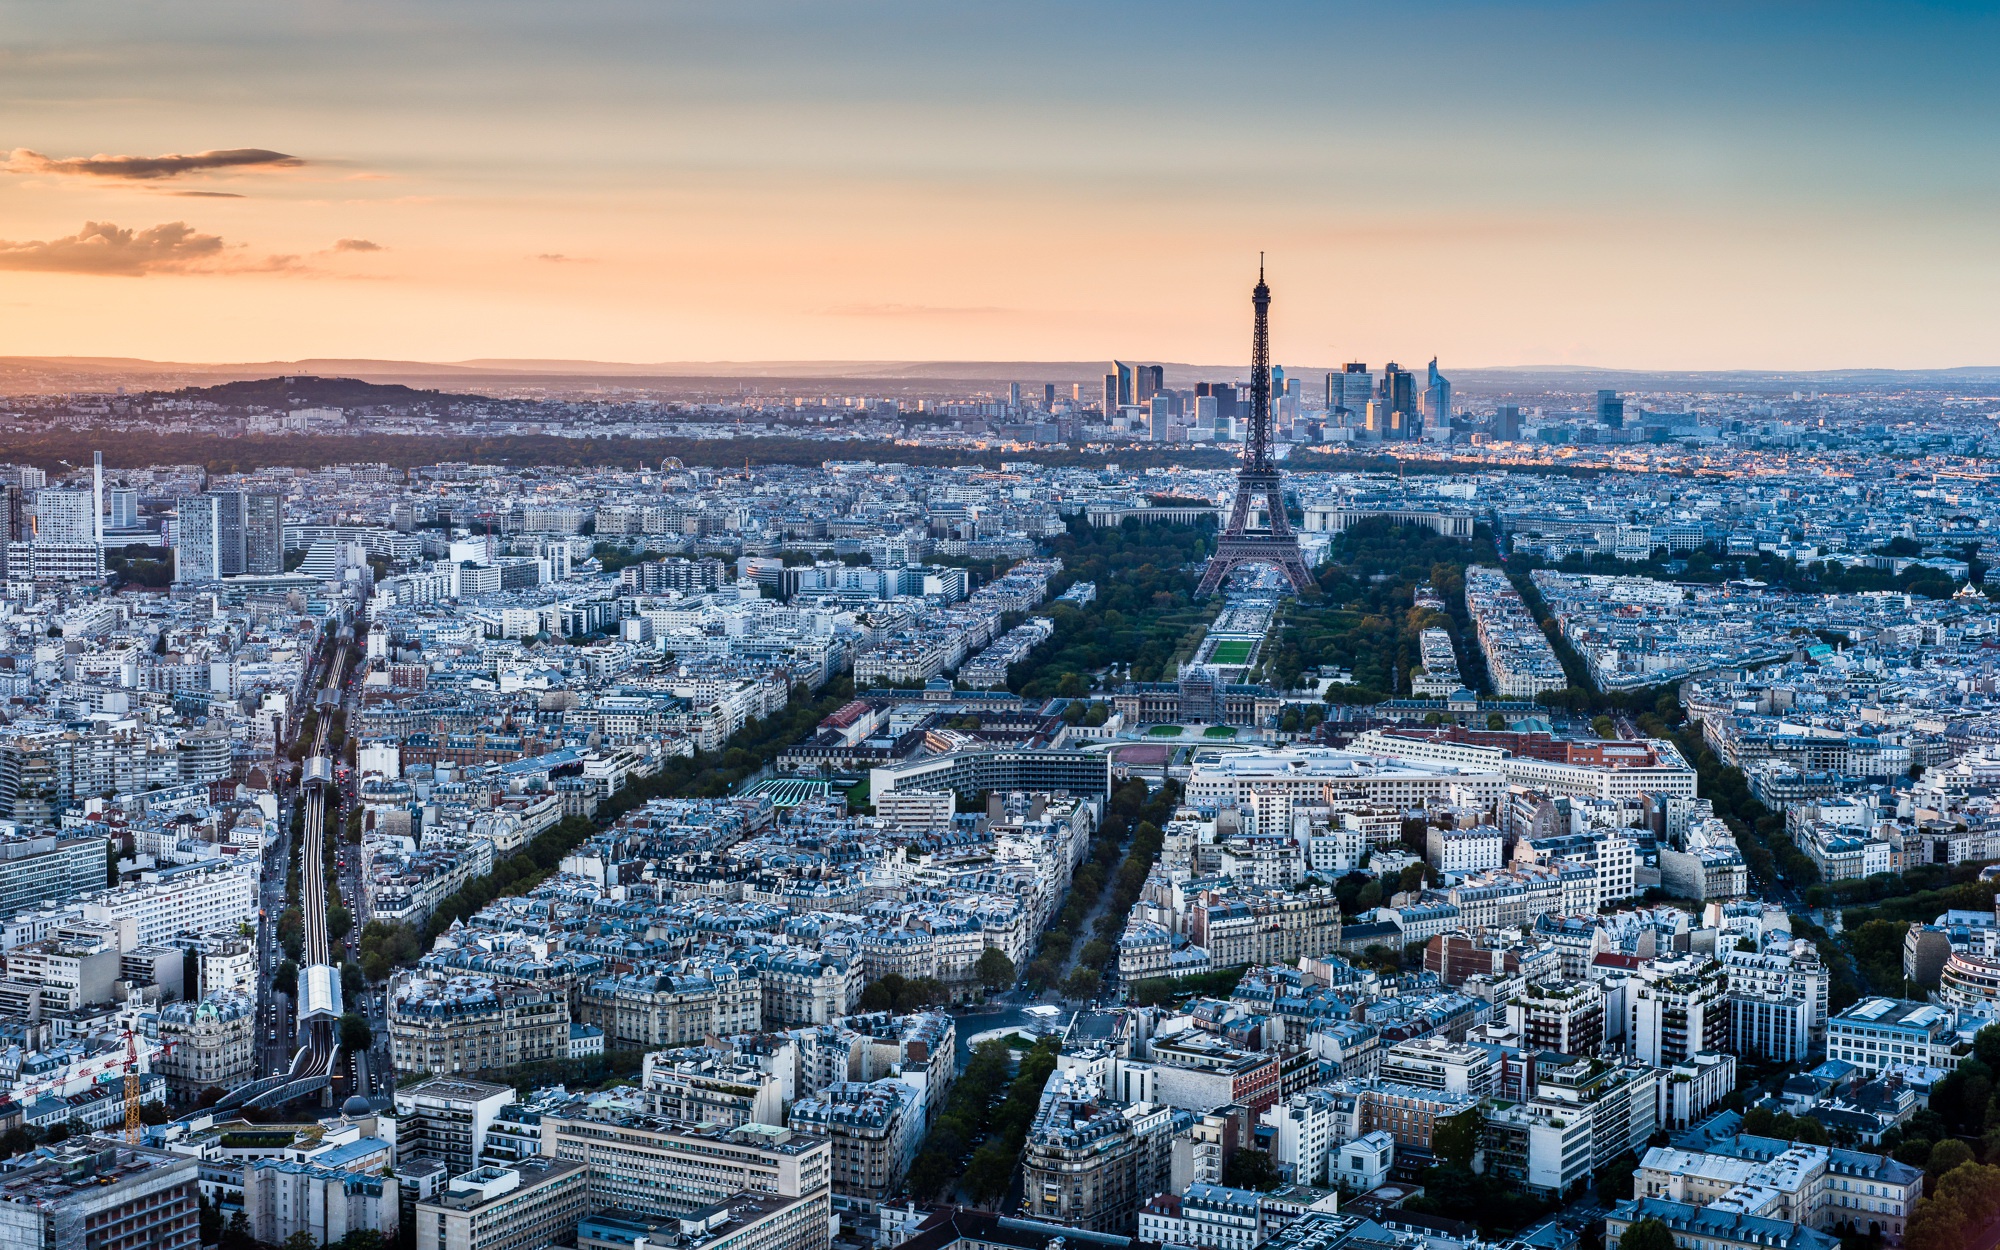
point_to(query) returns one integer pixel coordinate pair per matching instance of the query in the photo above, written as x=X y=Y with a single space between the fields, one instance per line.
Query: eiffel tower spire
x=1238 y=544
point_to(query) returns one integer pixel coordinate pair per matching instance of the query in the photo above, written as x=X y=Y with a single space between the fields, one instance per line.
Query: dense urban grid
x=784 y=820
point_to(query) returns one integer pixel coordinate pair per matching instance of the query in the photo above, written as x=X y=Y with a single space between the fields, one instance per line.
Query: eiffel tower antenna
x=1238 y=544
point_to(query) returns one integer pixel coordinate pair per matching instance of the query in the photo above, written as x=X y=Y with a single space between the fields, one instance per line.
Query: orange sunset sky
x=1638 y=185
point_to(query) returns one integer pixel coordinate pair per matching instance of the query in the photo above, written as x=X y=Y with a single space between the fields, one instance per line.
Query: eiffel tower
x=1238 y=544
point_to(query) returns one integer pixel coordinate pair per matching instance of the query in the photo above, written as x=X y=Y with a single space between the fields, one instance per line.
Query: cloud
x=147 y=168
x=103 y=248
x=357 y=245
x=207 y=195
x=557 y=258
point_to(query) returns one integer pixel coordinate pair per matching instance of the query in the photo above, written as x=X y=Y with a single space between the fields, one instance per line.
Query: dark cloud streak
x=148 y=168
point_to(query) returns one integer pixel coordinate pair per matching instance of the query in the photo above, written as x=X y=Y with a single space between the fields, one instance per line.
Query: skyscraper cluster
x=1388 y=410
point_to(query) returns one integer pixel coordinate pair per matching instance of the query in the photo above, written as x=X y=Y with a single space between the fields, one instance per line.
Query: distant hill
x=305 y=391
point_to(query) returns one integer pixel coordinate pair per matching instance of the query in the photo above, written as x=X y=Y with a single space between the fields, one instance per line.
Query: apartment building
x=1582 y=1114
x=209 y=1043
x=448 y=1119
x=742 y=1222
x=1264 y=927
x=1876 y=1034
x=654 y=1166
x=677 y=1007
x=1438 y=1064
x=1563 y=1016
x=180 y=898
x=1713 y=1228
x=874 y=1129
x=100 y=1192
x=702 y=1086
x=449 y=1024
x=47 y=871
x=535 y=1203
x=283 y=1197
x=1193 y=1069
x=1679 y=1005
x=1091 y=1162
x=1815 y=1187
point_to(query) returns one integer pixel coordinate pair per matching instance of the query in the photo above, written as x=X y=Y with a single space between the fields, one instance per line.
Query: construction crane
x=132 y=1088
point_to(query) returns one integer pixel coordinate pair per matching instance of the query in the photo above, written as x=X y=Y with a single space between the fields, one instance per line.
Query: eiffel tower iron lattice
x=1239 y=545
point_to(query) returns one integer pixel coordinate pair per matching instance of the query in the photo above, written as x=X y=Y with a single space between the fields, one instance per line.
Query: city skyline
x=1658 y=187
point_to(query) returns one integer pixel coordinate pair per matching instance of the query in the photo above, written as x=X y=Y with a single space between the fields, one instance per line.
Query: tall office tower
x=1204 y=412
x=121 y=508
x=1278 y=382
x=1148 y=381
x=97 y=499
x=264 y=533
x=1224 y=394
x=231 y=537
x=1357 y=387
x=1014 y=396
x=198 y=544
x=1048 y=395
x=1076 y=392
x=1399 y=401
x=1610 y=410
x=1507 y=423
x=1238 y=545
x=1117 y=388
x=1437 y=398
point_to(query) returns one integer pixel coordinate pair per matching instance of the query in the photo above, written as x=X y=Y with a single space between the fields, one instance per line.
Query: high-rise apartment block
x=198 y=541
x=65 y=547
x=264 y=534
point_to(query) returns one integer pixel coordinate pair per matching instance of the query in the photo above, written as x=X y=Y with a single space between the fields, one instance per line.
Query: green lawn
x=1164 y=731
x=1230 y=651
x=1219 y=731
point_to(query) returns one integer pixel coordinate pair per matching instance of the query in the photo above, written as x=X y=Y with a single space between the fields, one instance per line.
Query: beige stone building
x=207 y=1044
x=474 y=1023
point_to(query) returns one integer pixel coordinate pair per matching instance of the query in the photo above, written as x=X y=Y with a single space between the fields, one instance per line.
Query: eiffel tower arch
x=1275 y=545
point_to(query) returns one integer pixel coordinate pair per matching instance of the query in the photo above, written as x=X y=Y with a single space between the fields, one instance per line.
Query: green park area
x=1231 y=651
x=1164 y=731
x=1219 y=731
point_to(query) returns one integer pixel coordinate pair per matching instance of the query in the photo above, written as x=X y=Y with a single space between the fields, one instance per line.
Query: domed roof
x=356 y=1105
